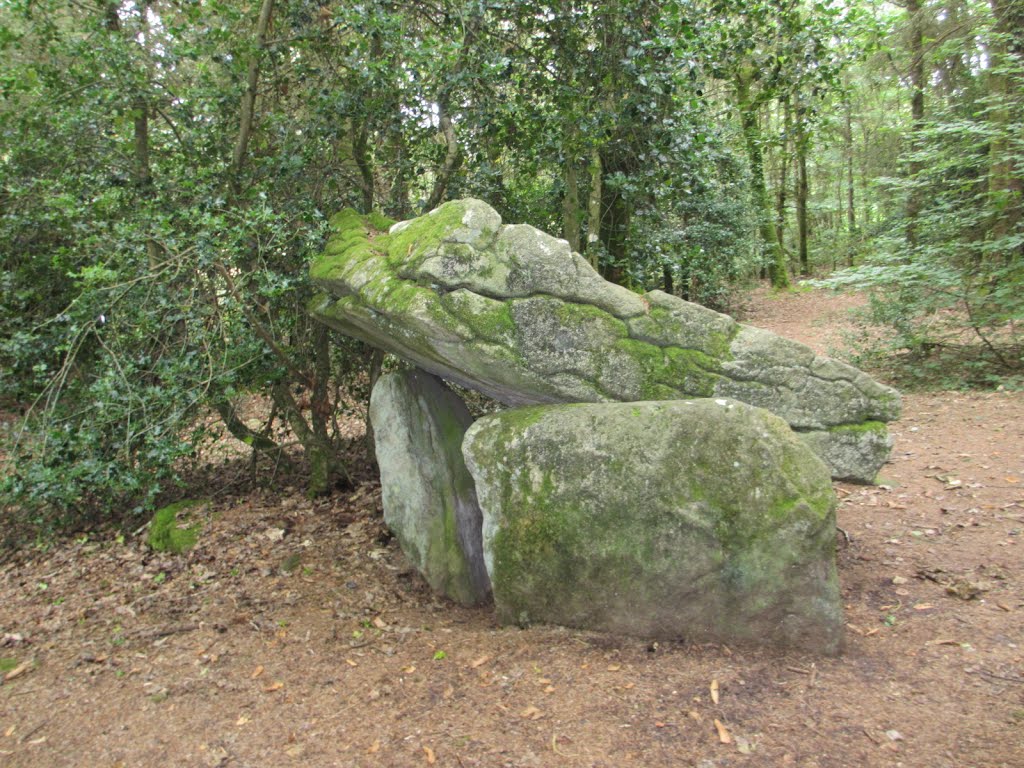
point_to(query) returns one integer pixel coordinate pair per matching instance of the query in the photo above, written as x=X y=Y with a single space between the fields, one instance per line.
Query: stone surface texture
x=429 y=499
x=707 y=519
x=512 y=312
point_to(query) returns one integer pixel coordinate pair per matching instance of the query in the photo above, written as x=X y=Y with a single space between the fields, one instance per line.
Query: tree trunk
x=615 y=223
x=248 y=108
x=865 y=174
x=452 y=158
x=571 y=199
x=243 y=433
x=851 y=216
x=571 y=203
x=453 y=151
x=802 y=142
x=376 y=367
x=752 y=139
x=917 y=85
x=1005 y=177
x=594 y=208
x=780 y=196
x=361 y=155
x=325 y=468
x=142 y=174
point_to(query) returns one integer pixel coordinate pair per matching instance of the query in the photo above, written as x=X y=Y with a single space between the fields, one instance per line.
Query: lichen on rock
x=706 y=519
x=429 y=498
x=512 y=312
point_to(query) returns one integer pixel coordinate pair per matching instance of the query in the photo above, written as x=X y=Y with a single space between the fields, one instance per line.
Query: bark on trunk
x=917 y=85
x=851 y=216
x=802 y=142
x=784 y=160
x=1006 y=177
x=571 y=202
x=452 y=159
x=594 y=208
x=752 y=139
x=247 y=115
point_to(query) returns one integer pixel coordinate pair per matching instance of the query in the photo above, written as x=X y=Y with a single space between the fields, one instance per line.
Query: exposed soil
x=296 y=635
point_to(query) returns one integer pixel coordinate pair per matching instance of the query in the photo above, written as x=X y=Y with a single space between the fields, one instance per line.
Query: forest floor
x=295 y=634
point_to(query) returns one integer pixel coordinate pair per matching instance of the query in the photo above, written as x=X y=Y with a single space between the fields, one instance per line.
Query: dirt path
x=295 y=635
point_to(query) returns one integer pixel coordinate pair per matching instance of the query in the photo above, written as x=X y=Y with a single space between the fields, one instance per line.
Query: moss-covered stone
x=702 y=519
x=855 y=452
x=489 y=319
x=510 y=311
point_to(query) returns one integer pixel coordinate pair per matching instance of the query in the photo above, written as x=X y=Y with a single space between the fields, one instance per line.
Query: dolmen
x=663 y=470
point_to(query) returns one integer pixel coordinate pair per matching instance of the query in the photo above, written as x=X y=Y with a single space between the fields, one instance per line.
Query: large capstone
x=512 y=312
x=704 y=519
x=429 y=499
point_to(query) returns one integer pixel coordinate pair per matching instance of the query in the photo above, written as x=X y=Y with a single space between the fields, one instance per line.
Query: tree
x=949 y=288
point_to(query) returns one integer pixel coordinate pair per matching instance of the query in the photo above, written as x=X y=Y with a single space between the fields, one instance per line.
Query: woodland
x=168 y=168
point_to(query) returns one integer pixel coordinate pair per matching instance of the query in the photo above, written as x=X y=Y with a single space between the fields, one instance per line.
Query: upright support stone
x=707 y=519
x=430 y=502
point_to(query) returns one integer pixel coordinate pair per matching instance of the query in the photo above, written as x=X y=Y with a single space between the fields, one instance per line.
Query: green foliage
x=947 y=272
x=157 y=224
x=170 y=532
x=141 y=289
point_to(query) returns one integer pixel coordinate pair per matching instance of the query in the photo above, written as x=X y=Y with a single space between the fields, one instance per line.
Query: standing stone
x=429 y=500
x=705 y=519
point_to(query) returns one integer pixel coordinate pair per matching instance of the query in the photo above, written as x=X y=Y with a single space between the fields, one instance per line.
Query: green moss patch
x=422 y=236
x=170 y=530
x=379 y=221
x=667 y=372
x=345 y=220
x=488 y=319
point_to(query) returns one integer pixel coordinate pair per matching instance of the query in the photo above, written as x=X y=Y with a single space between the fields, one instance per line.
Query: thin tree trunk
x=867 y=206
x=571 y=200
x=400 y=207
x=780 y=196
x=452 y=158
x=319 y=396
x=594 y=208
x=453 y=152
x=752 y=138
x=325 y=467
x=142 y=174
x=917 y=85
x=851 y=215
x=802 y=142
x=242 y=432
x=616 y=216
x=247 y=116
x=143 y=171
x=376 y=367
x=361 y=155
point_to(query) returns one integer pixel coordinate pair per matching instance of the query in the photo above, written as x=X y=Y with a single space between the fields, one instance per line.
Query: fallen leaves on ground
x=723 y=733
